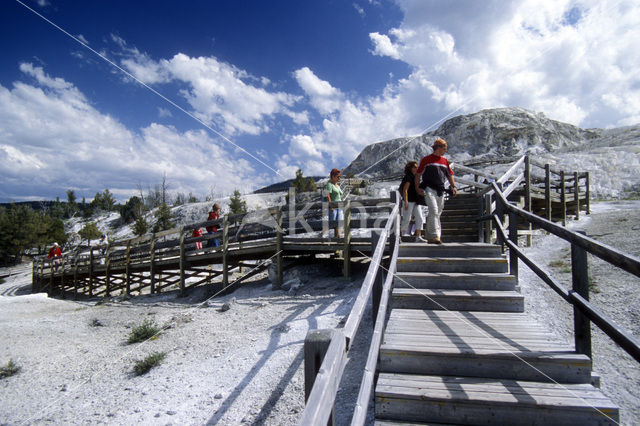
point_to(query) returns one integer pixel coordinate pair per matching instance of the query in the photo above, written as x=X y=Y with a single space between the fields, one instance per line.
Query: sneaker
x=435 y=241
x=420 y=240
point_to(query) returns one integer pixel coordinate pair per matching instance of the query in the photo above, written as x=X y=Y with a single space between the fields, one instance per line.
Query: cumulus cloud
x=219 y=93
x=52 y=137
x=567 y=58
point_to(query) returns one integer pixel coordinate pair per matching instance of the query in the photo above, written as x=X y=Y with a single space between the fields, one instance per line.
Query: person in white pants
x=410 y=205
x=434 y=170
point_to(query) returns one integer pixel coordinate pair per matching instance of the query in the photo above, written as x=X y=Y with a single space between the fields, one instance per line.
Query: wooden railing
x=268 y=229
x=326 y=350
x=578 y=296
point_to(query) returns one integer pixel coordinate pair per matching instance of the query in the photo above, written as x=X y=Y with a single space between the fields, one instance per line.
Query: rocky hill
x=500 y=132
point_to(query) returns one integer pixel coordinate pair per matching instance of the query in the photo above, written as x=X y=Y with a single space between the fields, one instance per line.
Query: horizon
x=240 y=95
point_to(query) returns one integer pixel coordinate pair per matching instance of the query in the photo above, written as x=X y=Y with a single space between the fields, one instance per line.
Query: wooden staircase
x=458 y=218
x=458 y=348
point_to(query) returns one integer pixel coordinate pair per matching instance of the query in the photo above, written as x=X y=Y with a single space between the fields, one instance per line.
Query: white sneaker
x=420 y=240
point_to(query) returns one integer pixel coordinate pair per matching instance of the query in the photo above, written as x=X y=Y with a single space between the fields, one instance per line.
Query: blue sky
x=253 y=90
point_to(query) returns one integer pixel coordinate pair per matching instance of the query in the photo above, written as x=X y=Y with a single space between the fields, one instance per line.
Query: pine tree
x=90 y=231
x=236 y=204
x=140 y=227
x=163 y=218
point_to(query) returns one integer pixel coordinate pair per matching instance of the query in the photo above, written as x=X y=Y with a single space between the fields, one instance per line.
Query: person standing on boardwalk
x=197 y=232
x=211 y=229
x=410 y=203
x=434 y=170
x=334 y=194
x=55 y=254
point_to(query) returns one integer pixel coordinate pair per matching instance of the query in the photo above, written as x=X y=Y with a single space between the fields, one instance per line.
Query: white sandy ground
x=245 y=365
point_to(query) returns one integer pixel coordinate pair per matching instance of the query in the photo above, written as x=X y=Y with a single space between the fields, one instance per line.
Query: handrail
x=607 y=253
x=502 y=179
x=355 y=316
x=322 y=395
x=366 y=385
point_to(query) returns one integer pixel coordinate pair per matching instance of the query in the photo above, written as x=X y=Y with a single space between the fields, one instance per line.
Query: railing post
x=500 y=213
x=481 y=224
x=488 y=224
x=527 y=196
x=376 y=291
x=513 y=237
x=563 y=199
x=279 y=236
x=346 y=251
x=547 y=190
x=152 y=272
x=91 y=272
x=225 y=251
x=75 y=276
x=576 y=194
x=108 y=271
x=316 y=345
x=183 y=260
x=127 y=268
x=580 y=279
x=587 y=193
x=62 y=264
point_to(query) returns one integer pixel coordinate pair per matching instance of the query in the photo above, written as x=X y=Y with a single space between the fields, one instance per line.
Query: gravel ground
x=245 y=364
x=242 y=365
x=614 y=292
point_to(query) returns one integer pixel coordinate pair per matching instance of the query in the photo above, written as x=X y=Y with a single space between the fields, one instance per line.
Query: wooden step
x=457 y=300
x=452 y=264
x=478 y=344
x=449 y=250
x=469 y=400
x=455 y=281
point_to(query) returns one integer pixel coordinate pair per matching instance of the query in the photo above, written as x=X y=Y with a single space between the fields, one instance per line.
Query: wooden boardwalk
x=458 y=348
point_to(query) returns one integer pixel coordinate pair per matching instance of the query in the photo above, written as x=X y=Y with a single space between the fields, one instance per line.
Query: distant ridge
x=283 y=186
x=499 y=132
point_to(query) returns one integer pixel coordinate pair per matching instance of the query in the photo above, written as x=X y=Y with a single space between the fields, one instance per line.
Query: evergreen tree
x=140 y=227
x=22 y=228
x=300 y=184
x=90 y=231
x=132 y=209
x=104 y=201
x=236 y=204
x=72 y=206
x=163 y=218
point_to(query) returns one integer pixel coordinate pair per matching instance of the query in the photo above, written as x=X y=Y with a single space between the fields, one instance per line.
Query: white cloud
x=324 y=97
x=565 y=58
x=53 y=140
x=164 y=112
x=218 y=92
x=303 y=146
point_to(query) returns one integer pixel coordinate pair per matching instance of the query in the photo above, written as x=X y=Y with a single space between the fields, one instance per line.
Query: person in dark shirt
x=410 y=201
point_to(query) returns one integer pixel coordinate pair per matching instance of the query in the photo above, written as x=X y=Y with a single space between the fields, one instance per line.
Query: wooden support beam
x=587 y=193
x=580 y=280
x=547 y=190
x=563 y=199
x=152 y=272
x=346 y=251
x=316 y=345
x=279 y=239
x=527 y=196
x=513 y=237
x=225 y=251
x=128 y=268
x=182 y=262
x=576 y=194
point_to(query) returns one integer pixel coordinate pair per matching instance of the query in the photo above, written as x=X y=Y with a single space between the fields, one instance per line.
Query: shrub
x=144 y=331
x=143 y=366
x=9 y=369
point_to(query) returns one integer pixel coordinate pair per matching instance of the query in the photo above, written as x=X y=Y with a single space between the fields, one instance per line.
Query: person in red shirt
x=55 y=254
x=211 y=229
x=434 y=170
x=197 y=233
